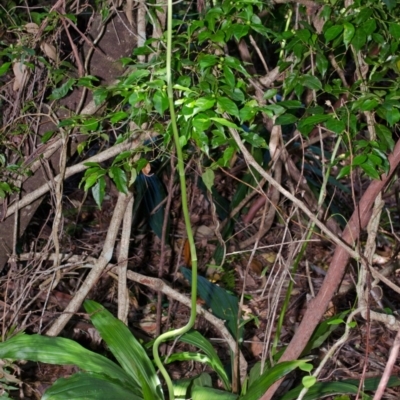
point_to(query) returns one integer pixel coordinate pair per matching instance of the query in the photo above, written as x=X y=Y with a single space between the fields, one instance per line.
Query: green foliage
x=135 y=376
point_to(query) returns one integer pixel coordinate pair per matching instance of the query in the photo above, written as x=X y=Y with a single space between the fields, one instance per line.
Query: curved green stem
x=181 y=170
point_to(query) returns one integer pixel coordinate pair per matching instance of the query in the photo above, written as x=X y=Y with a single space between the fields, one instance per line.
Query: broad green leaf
x=99 y=190
x=344 y=172
x=394 y=29
x=229 y=76
x=247 y=114
x=91 y=179
x=118 y=116
x=222 y=304
x=308 y=381
x=369 y=26
x=46 y=136
x=224 y=122
x=321 y=390
x=306 y=125
x=160 y=101
x=370 y=169
x=85 y=386
x=136 y=76
x=61 y=351
x=207 y=60
x=359 y=39
x=99 y=96
x=4 y=68
x=254 y=139
x=196 y=339
x=125 y=348
x=227 y=105
x=270 y=93
x=286 y=119
x=310 y=81
x=348 y=33
x=62 y=91
x=208 y=178
x=322 y=63
x=207 y=393
x=321 y=333
x=90 y=124
x=118 y=175
x=335 y=125
x=202 y=104
x=332 y=32
x=385 y=135
x=239 y=30
x=390 y=4
x=271 y=375
x=360 y=159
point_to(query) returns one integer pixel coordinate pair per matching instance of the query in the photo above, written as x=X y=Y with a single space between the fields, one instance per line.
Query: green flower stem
x=181 y=169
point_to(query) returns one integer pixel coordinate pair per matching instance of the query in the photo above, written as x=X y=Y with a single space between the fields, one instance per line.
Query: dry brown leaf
x=31 y=27
x=49 y=50
x=21 y=74
x=129 y=11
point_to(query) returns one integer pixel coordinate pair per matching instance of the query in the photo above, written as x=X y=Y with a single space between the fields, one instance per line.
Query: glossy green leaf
x=4 y=68
x=271 y=375
x=247 y=114
x=85 y=386
x=118 y=175
x=229 y=76
x=160 y=101
x=228 y=106
x=222 y=304
x=359 y=39
x=321 y=390
x=99 y=191
x=224 y=122
x=136 y=76
x=207 y=60
x=62 y=91
x=125 y=348
x=61 y=351
x=196 y=339
x=385 y=136
x=100 y=95
x=309 y=381
x=118 y=116
x=310 y=81
x=394 y=29
x=208 y=177
x=207 y=393
x=286 y=119
x=254 y=139
x=335 y=125
x=370 y=169
x=348 y=33
x=333 y=32
x=322 y=64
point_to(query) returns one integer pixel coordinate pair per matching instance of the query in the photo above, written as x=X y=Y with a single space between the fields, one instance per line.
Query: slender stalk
x=181 y=170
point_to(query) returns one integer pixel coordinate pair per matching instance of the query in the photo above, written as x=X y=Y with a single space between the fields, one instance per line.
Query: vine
x=181 y=170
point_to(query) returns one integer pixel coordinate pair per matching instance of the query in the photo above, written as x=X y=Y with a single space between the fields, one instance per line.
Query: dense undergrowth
x=238 y=140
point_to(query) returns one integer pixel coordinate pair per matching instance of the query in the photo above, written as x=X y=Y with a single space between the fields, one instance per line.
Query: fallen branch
x=318 y=306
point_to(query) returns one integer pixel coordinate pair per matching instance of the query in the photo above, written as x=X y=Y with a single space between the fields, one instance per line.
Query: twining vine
x=185 y=208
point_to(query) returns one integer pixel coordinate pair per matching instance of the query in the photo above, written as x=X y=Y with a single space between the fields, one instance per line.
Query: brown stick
x=317 y=306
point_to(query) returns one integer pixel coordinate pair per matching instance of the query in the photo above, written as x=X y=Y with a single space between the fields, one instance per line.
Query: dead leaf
x=50 y=51
x=31 y=27
x=129 y=10
x=21 y=74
